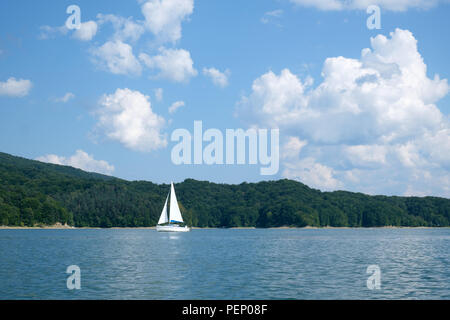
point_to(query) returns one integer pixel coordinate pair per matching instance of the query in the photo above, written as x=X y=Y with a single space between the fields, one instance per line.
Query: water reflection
x=174 y=236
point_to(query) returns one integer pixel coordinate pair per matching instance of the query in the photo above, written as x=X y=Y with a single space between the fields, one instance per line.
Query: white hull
x=172 y=228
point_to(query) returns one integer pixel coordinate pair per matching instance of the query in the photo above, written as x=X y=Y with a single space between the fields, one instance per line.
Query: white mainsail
x=164 y=217
x=175 y=213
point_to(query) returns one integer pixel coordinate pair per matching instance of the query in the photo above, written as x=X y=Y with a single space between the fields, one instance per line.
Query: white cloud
x=86 y=32
x=291 y=149
x=392 y=5
x=173 y=64
x=126 y=116
x=311 y=173
x=68 y=96
x=274 y=99
x=117 y=57
x=159 y=94
x=164 y=17
x=369 y=119
x=385 y=96
x=363 y=156
x=80 y=160
x=175 y=106
x=124 y=28
x=15 y=88
x=218 y=78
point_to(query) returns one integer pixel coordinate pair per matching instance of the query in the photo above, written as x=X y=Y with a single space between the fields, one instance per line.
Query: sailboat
x=170 y=220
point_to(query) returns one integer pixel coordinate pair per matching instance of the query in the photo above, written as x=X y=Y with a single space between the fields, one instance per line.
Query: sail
x=175 y=214
x=164 y=218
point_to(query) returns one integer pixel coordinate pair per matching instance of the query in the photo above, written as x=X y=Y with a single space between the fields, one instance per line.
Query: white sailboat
x=170 y=219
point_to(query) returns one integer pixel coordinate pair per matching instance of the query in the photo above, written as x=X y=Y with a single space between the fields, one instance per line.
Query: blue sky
x=377 y=124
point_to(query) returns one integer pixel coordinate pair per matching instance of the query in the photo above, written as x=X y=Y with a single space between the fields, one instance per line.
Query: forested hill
x=34 y=193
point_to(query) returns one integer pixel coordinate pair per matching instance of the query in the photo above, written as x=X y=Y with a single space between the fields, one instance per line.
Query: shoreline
x=67 y=227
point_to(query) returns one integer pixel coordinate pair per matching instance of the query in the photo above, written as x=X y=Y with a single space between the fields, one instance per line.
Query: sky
x=357 y=108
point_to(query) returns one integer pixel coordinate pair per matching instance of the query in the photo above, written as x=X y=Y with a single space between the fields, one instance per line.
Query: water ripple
x=225 y=264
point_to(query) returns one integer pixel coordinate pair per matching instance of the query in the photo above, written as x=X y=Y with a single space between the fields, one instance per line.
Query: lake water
x=225 y=264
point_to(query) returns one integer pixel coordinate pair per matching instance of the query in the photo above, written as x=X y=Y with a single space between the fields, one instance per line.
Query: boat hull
x=172 y=228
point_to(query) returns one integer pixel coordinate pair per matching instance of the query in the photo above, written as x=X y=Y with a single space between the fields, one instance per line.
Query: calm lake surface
x=225 y=264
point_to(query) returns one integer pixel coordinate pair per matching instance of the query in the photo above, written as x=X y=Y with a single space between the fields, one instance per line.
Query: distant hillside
x=33 y=193
x=35 y=168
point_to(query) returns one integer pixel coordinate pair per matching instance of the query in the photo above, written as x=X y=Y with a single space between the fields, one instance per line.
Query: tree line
x=34 y=193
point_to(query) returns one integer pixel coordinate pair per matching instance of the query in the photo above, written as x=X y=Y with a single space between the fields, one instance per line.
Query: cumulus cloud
x=164 y=17
x=370 y=118
x=313 y=174
x=220 y=79
x=15 y=88
x=126 y=116
x=291 y=149
x=392 y=5
x=125 y=29
x=173 y=64
x=175 y=106
x=117 y=57
x=366 y=155
x=86 y=32
x=80 y=160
